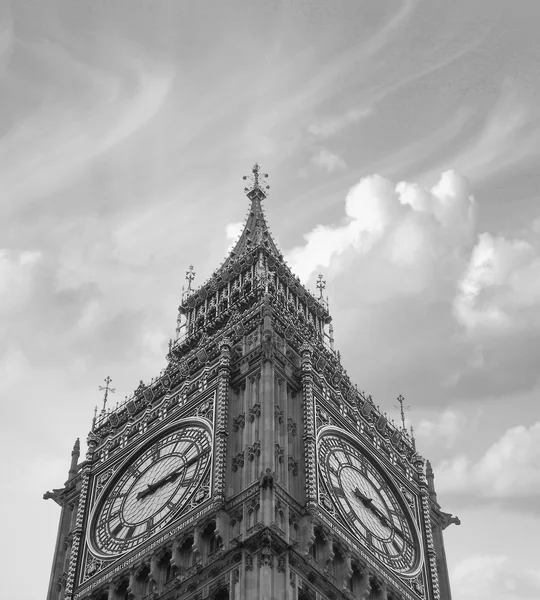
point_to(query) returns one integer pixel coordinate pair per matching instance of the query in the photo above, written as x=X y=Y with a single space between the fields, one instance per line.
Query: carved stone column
x=221 y=420
x=308 y=408
x=92 y=442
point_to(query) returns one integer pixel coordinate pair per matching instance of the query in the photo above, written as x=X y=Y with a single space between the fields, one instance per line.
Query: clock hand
x=172 y=476
x=368 y=503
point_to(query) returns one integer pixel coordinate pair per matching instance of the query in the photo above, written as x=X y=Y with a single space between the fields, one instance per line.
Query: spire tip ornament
x=106 y=389
x=257 y=187
x=402 y=409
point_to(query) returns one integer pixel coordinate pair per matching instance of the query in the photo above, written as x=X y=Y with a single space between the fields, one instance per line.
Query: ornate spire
x=256 y=231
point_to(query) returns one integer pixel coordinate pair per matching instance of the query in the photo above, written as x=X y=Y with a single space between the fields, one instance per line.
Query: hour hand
x=367 y=502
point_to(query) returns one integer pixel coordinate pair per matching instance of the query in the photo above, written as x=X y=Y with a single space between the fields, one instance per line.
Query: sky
x=402 y=140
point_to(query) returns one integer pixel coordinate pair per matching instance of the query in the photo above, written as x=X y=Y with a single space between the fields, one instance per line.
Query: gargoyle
x=448 y=519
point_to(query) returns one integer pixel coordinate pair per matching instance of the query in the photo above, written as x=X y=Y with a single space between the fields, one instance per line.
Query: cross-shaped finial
x=402 y=410
x=321 y=286
x=190 y=276
x=106 y=389
x=255 y=179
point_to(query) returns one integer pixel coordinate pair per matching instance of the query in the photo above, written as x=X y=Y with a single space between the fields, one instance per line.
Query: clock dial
x=150 y=489
x=369 y=503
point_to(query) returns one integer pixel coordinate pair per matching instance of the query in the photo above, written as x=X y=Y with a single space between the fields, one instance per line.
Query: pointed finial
x=412 y=438
x=95 y=418
x=255 y=182
x=321 y=286
x=190 y=276
x=402 y=409
x=106 y=389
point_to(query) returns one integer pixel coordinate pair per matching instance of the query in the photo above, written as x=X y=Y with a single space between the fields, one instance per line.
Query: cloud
x=417 y=225
x=233 y=231
x=329 y=161
x=500 y=289
x=446 y=427
x=330 y=126
x=510 y=136
x=57 y=140
x=17 y=272
x=491 y=577
x=508 y=471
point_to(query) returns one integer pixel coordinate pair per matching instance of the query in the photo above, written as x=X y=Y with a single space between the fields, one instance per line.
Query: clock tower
x=251 y=467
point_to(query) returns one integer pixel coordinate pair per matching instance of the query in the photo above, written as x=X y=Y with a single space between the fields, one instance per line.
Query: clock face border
x=120 y=473
x=416 y=567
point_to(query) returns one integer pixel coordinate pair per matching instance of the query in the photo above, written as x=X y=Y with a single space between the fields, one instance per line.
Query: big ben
x=251 y=467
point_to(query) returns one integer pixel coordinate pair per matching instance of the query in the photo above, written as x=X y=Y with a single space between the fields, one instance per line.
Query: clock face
x=369 y=503
x=150 y=489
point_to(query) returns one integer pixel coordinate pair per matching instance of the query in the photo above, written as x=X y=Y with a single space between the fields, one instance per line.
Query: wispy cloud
x=330 y=126
x=47 y=149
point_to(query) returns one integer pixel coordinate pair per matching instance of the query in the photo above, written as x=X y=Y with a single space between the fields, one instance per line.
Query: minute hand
x=172 y=476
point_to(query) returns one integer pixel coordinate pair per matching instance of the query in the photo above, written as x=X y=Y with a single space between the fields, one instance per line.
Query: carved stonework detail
x=254 y=450
x=418 y=585
x=249 y=562
x=325 y=501
x=254 y=412
x=279 y=451
x=239 y=421
x=323 y=418
x=93 y=565
x=237 y=461
x=291 y=426
x=408 y=497
x=292 y=465
x=267 y=479
x=206 y=410
x=278 y=414
x=266 y=559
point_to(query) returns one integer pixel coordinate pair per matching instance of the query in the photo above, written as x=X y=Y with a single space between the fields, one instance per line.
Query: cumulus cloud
x=233 y=231
x=416 y=224
x=491 y=577
x=446 y=427
x=509 y=469
x=500 y=288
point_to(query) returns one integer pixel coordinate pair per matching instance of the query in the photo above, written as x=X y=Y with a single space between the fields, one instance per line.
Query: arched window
x=221 y=594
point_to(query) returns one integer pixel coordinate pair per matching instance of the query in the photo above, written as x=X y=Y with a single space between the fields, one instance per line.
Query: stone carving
x=291 y=426
x=293 y=465
x=254 y=450
x=254 y=411
x=239 y=421
x=267 y=479
x=238 y=461
x=279 y=452
x=93 y=565
x=448 y=519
